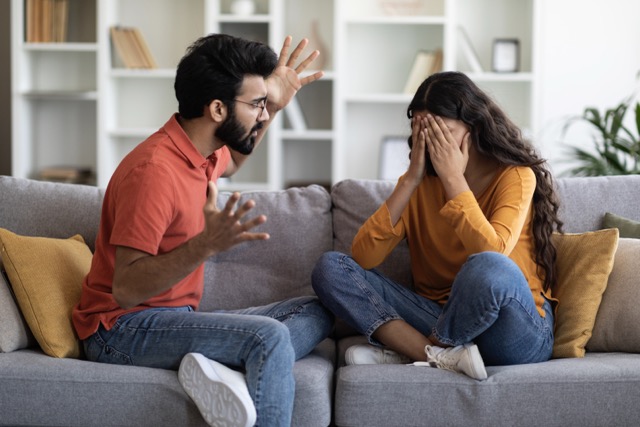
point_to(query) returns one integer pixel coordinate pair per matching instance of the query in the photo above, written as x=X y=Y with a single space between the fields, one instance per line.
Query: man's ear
x=217 y=111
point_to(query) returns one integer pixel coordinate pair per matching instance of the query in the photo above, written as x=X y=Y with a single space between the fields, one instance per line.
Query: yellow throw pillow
x=584 y=263
x=46 y=276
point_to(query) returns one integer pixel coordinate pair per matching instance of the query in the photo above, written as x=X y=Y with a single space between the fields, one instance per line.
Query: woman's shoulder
x=517 y=177
x=520 y=173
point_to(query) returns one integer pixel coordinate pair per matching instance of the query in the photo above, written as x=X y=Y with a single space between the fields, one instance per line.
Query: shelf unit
x=54 y=94
x=519 y=19
x=375 y=51
x=377 y=41
x=74 y=105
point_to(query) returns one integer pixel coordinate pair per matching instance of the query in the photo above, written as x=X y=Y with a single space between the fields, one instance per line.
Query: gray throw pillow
x=260 y=272
x=14 y=332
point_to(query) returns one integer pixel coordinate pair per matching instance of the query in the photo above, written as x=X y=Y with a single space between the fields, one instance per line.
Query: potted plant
x=616 y=147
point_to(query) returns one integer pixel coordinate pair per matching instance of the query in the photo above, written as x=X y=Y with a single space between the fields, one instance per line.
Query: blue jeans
x=264 y=341
x=490 y=304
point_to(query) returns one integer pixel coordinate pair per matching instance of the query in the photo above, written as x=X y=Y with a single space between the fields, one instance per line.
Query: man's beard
x=235 y=136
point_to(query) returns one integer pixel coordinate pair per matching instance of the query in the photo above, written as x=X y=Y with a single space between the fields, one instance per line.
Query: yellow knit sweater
x=442 y=234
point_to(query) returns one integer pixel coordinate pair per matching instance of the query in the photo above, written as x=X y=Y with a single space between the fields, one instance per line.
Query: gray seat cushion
x=598 y=390
x=40 y=390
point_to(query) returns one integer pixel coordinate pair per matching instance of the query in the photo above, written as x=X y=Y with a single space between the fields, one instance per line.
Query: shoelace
x=441 y=360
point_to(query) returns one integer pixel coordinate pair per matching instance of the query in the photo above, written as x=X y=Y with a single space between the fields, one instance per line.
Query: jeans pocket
x=98 y=350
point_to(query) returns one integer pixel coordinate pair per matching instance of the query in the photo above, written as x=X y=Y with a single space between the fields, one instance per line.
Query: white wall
x=589 y=55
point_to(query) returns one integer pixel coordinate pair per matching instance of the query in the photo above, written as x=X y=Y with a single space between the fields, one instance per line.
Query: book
x=46 y=21
x=295 y=115
x=131 y=48
x=69 y=174
x=135 y=53
x=121 y=47
x=437 y=64
x=425 y=63
x=469 y=52
x=60 y=18
x=148 y=59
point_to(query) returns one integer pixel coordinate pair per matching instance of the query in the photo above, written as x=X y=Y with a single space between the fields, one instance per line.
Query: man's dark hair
x=214 y=67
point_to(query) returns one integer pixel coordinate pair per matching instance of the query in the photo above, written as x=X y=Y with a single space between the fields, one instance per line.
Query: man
x=139 y=300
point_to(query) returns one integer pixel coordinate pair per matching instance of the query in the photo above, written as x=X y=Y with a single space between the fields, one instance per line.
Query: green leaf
x=616 y=148
x=638 y=117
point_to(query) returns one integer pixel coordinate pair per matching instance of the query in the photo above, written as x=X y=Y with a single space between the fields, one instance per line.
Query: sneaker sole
x=474 y=355
x=219 y=404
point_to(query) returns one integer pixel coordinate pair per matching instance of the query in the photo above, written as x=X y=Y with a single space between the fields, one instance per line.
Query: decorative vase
x=243 y=7
x=316 y=42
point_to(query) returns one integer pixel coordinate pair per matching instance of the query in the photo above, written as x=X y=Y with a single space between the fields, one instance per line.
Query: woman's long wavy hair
x=455 y=96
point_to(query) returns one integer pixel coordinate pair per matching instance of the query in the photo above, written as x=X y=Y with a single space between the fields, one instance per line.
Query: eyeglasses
x=262 y=104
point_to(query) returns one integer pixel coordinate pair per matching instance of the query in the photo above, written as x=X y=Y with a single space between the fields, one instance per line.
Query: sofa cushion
x=628 y=227
x=600 y=389
x=46 y=276
x=584 y=263
x=616 y=327
x=260 y=272
x=14 y=332
x=353 y=202
x=37 y=390
x=42 y=390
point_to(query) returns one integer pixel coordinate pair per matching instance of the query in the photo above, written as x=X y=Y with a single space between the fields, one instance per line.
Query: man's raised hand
x=224 y=228
x=285 y=81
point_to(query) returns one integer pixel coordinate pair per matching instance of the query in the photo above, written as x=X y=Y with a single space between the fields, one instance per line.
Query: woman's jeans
x=264 y=341
x=490 y=304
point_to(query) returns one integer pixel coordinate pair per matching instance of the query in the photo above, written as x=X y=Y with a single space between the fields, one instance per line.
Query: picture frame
x=394 y=158
x=506 y=56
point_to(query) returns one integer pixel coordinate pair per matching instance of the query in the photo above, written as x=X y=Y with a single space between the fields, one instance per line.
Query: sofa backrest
x=303 y=223
x=45 y=209
x=354 y=200
x=584 y=201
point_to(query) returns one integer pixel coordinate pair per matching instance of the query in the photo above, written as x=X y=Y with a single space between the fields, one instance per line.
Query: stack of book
x=424 y=64
x=131 y=47
x=69 y=174
x=47 y=21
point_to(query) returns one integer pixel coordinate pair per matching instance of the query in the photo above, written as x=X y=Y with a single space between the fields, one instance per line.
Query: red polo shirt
x=153 y=203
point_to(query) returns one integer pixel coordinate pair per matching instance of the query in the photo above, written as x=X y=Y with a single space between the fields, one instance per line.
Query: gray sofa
x=602 y=388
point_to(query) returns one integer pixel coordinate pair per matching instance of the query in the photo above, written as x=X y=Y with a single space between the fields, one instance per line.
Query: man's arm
x=282 y=85
x=139 y=276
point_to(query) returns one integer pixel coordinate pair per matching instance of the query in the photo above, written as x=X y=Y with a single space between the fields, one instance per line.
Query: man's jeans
x=490 y=304
x=264 y=341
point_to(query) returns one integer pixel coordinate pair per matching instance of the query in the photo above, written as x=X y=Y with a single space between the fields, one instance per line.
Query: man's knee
x=272 y=333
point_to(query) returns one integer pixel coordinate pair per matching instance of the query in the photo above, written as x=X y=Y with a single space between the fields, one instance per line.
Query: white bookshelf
x=54 y=94
x=376 y=46
x=74 y=105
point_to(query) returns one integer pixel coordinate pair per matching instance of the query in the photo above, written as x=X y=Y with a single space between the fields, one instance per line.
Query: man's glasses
x=262 y=104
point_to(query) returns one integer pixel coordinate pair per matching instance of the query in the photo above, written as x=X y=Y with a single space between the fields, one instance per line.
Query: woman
x=477 y=207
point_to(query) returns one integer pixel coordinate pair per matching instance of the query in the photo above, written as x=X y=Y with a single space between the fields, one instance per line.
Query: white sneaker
x=465 y=359
x=220 y=393
x=367 y=354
